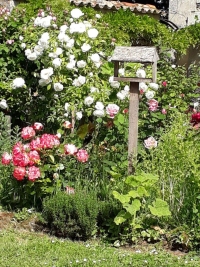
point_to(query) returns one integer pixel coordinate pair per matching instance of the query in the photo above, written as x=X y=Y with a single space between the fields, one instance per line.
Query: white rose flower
x=46 y=73
x=173 y=66
x=52 y=55
x=95 y=58
x=94 y=90
x=3 y=104
x=46 y=22
x=71 y=20
x=121 y=71
x=37 y=21
x=63 y=28
x=70 y=43
x=149 y=94
x=27 y=52
x=121 y=96
x=99 y=113
x=57 y=62
x=74 y=27
x=79 y=81
x=76 y=13
x=71 y=64
x=196 y=104
x=79 y=115
x=154 y=86
x=92 y=33
x=99 y=105
x=66 y=114
x=32 y=56
x=88 y=100
x=114 y=84
x=45 y=36
x=67 y=105
x=59 y=51
x=58 y=87
x=21 y=38
x=87 y=24
x=140 y=73
x=85 y=47
x=81 y=27
x=81 y=64
x=18 y=83
x=62 y=37
x=38 y=50
x=127 y=88
x=143 y=86
x=44 y=82
x=23 y=45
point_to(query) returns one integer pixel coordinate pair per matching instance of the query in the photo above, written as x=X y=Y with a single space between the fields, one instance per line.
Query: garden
x=64 y=140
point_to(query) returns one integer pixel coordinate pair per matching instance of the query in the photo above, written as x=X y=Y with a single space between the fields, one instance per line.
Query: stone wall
x=183 y=12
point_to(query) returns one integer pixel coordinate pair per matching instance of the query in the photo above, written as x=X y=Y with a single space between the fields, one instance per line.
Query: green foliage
x=135 y=201
x=72 y=216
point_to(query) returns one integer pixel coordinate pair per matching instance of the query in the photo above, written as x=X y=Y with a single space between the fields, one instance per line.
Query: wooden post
x=133 y=125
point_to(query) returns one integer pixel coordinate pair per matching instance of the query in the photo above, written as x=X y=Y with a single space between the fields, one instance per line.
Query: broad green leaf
x=133 y=207
x=142 y=191
x=52 y=158
x=133 y=194
x=121 y=217
x=121 y=198
x=160 y=208
x=120 y=118
x=82 y=131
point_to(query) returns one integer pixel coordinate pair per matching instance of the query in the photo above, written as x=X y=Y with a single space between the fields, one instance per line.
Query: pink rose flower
x=34 y=157
x=27 y=133
x=112 y=110
x=6 y=158
x=153 y=104
x=164 y=111
x=21 y=159
x=82 y=155
x=69 y=190
x=33 y=173
x=150 y=143
x=164 y=83
x=35 y=144
x=70 y=149
x=19 y=173
x=18 y=148
x=38 y=126
x=48 y=141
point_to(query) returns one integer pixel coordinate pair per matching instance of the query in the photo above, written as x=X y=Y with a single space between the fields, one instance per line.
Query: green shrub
x=72 y=216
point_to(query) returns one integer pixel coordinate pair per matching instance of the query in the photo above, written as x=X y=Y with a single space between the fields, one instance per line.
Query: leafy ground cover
x=20 y=244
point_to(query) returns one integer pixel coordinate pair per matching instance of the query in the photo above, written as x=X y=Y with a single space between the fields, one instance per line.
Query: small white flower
x=18 y=83
x=149 y=94
x=44 y=82
x=59 y=51
x=63 y=28
x=79 y=115
x=140 y=73
x=81 y=27
x=46 y=73
x=67 y=105
x=196 y=104
x=38 y=50
x=66 y=114
x=121 y=71
x=32 y=56
x=58 y=87
x=98 y=16
x=81 y=64
x=92 y=33
x=27 y=52
x=46 y=22
x=57 y=62
x=94 y=90
x=21 y=38
x=70 y=43
x=62 y=37
x=88 y=100
x=173 y=66
x=122 y=95
x=85 y=47
x=76 y=13
x=99 y=113
x=79 y=81
x=87 y=24
x=95 y=58
x=3 y=104
x=154 y=86
x=71 y=64
x=23 y=45
x=37 y=21
x=143 y=86
x=114 y=84
x=99 y=105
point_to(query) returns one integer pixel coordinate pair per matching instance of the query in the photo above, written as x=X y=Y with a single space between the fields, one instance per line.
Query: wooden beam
x=130 y=79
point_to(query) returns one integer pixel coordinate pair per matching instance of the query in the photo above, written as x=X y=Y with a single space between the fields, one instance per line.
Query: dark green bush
x=72 y=216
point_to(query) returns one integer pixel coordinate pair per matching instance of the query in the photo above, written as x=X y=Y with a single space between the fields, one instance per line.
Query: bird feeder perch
x=136 y=54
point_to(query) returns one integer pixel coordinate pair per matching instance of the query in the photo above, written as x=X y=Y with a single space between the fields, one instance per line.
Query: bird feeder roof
x=138 y=54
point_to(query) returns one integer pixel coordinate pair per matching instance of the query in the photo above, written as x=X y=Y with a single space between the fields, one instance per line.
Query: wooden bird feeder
x=136 y=54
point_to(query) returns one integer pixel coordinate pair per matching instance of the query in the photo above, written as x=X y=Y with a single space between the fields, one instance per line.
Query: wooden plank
x=131 y=79
x=133 y=125
x=116 y=68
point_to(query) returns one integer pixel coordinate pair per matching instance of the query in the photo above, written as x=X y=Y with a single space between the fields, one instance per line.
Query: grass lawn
x=20 y=248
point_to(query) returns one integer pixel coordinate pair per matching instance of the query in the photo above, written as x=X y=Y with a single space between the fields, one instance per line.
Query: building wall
x=183 y=12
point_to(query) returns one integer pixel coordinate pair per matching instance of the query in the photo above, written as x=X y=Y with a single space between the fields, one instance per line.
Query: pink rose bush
x=150 y=142
x=32 y=153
